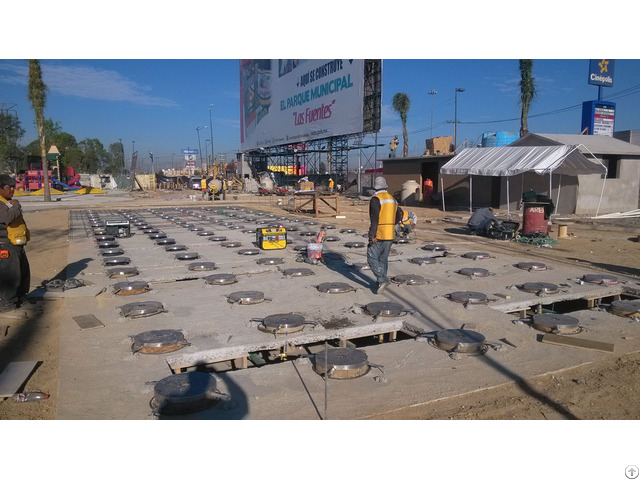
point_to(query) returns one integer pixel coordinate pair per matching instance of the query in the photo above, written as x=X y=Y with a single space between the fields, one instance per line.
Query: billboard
x=601 y=73
x=292 y=101
x=598 y=117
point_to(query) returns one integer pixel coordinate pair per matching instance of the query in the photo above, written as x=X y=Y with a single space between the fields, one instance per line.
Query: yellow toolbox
x=271 y=238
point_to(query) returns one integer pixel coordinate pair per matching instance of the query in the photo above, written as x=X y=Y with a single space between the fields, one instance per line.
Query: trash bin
x=533 y=218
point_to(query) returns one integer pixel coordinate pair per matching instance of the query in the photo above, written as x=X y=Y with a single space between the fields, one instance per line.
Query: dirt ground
x=606 y=389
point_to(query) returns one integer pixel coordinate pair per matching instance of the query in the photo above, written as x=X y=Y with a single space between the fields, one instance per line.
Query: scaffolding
x=330 y=155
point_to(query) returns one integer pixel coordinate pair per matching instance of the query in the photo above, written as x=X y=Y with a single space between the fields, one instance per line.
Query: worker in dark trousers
x=15 y=275
x=384 y=214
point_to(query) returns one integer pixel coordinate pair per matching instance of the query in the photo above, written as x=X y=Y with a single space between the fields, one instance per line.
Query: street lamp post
x=200 y=147
x=455 y=121
x=432 y=93
x=211 y=132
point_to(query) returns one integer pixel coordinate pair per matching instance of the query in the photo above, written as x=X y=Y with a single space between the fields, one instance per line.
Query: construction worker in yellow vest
x=407 y=224
x=15 y=275
x=331 y=185
x=384 y=214
x=203 y=187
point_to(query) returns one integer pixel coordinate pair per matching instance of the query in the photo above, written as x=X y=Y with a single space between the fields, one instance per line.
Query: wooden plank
x=577 y=342
x=3 y=330
x=12 y=378
x=87 y=322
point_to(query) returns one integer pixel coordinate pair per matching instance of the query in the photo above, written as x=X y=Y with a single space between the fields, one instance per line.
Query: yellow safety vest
x=17 y=231
x=387 y=217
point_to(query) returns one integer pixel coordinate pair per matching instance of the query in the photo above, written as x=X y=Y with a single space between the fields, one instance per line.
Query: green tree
x=38 y=97
x=527 y=93
x=10 y=133
x=116 y=158
x=401 y=104
x=94 y=157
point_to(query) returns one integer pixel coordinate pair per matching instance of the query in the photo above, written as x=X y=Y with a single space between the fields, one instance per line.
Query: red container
x=533 y=220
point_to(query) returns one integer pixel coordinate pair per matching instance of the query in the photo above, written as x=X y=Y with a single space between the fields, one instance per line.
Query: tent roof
x=508 y=161
x=596 y=144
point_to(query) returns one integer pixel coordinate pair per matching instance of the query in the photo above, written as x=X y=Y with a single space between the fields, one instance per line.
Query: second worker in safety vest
x=384 y=214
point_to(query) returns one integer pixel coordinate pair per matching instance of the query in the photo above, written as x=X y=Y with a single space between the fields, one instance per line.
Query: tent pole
x=604 y=179
x=470 y=194
x=442 y=192
x=508 y=210
x=558 y=196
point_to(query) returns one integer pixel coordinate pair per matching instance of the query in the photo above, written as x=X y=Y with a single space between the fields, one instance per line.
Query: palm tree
x=527 y=93
x=38 y=96
x=401 y=104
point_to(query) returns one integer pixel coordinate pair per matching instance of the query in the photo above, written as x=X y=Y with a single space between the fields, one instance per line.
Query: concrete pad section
x=100 y=377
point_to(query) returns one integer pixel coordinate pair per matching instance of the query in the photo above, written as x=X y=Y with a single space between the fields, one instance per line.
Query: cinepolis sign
x=601 y=73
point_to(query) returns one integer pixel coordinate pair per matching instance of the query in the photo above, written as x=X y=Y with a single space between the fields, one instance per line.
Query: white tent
x=510 y=161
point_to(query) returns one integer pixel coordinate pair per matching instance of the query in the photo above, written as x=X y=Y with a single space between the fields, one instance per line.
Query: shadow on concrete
x=608 y=267
x=520 y=382
x=337 y=263
x=232 y=404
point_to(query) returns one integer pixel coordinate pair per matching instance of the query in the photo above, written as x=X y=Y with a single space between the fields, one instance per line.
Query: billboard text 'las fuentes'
x=291 y=101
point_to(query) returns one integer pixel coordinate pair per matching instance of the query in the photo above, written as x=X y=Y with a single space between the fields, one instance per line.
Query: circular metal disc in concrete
x=468 y=297
x=105 y=238
x=185 y=393
x=131 y=288
x=218 y=238
x=531 y=266
x=476 y=255
x=111 y=252
x=626 y=308
x=282 y=323
x=355 y=244
x=158 y=341
x=341 y=363
x=423 y=260
x=202 y=266
x=384 y=309
x=166 y=241
x=187 y=256
x=108 y=244
x=335 y=287
x=331 y=238
x=249 y=251
x=474 y=272
x=246 y=297
x=434 y=247
x=600 y=278
x=150 y=231
x=206 y=233
x=231 y=244
x=409 y=279
x=155 y=236
x=270 y=261
x=175 y=248
x=348 y=230
x=116 y=261
x=122 y=272
x=298 y=272
x=459 y=340
x=555 y=323
x=540 y=287
x=220 y=279
x=141 y=309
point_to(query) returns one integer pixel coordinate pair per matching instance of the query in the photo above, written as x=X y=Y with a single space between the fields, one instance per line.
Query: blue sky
x=159 y=103
x=100 y=87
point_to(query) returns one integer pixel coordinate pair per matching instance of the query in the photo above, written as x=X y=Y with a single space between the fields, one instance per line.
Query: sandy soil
x=607 y=389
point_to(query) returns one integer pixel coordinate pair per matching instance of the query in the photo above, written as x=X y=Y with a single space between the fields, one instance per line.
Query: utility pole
x=455 y=121
x=432 y=93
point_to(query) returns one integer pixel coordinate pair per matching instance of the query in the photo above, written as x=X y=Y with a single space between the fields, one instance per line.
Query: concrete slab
x=100 y=377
